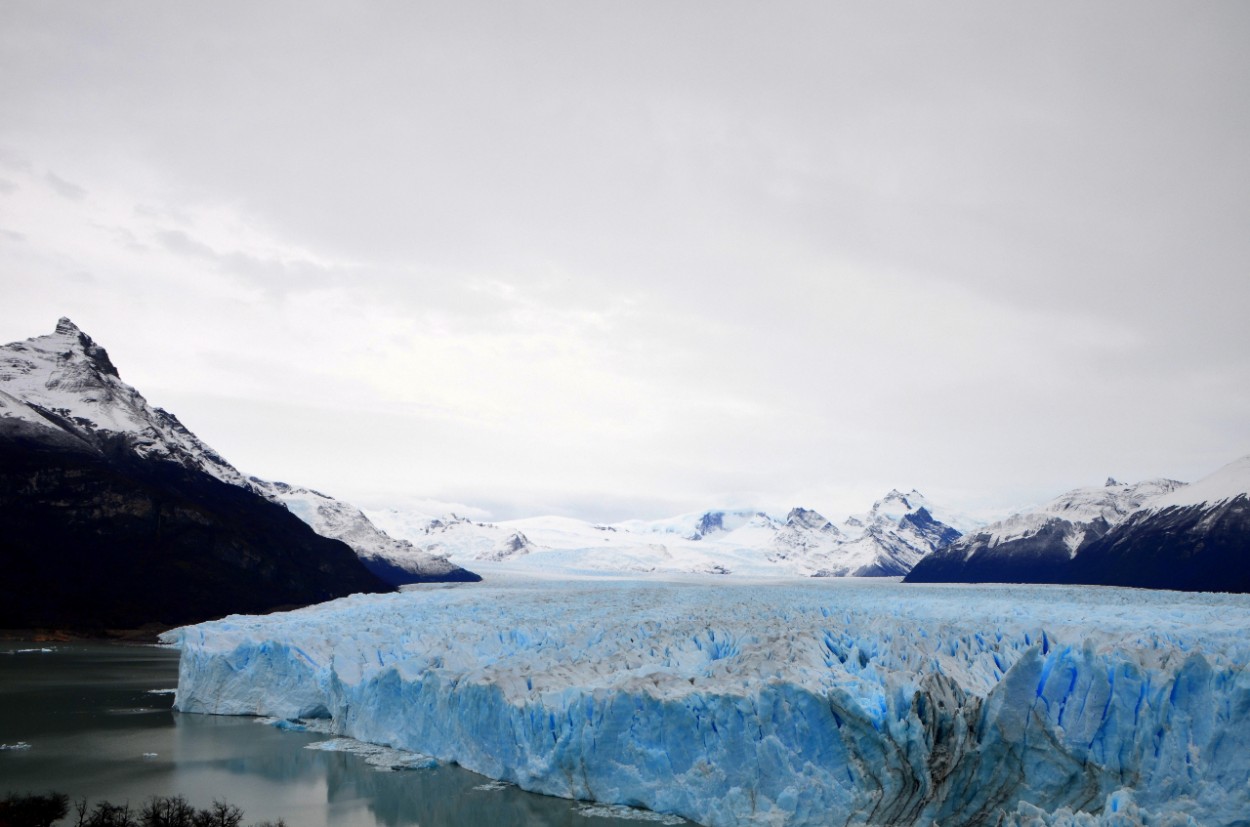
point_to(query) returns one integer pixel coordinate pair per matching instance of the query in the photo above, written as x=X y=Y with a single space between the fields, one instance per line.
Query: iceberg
x=795 y=702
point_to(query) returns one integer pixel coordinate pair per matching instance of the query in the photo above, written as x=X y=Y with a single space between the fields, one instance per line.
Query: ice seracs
x=801 y=702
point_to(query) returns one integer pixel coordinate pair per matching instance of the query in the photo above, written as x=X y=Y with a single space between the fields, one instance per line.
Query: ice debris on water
x=384 y=759
x=1119 y=810
x=15 y=746
x=321 y=726
x=623 y=813
x=493 y=786
x=162 y=691
x=779 y=702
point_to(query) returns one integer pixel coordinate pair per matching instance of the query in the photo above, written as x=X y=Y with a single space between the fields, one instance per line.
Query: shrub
x=32 y=810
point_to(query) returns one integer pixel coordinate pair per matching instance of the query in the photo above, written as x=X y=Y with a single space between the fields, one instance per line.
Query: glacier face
x=809 y=702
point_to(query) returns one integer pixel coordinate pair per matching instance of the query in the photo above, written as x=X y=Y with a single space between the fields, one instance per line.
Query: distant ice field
x=776 y=701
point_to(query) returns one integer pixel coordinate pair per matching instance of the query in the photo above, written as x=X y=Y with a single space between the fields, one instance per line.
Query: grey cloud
x=13 y=160
x=272 y=274
x=63 y=188
x=926 y=242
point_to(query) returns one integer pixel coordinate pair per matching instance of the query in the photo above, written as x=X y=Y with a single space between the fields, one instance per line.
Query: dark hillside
x=93 y=538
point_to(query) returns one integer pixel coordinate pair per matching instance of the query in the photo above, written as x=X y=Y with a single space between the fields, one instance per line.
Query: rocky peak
x=64 y=327
x=709 y=522
x=807 y=518
x=95 y=353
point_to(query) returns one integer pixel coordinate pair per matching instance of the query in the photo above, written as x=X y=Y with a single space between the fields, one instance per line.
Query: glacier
x=795 y=702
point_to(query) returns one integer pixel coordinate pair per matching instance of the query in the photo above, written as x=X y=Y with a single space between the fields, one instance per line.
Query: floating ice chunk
x=1119 y=810
x=15 y=746
x=622 y=813
x=284 y=723
x=493 y=786
x=384 y=759
x=321 y=726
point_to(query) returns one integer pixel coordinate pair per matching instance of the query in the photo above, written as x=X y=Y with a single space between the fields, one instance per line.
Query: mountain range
x=888 y=540
x=116 y=515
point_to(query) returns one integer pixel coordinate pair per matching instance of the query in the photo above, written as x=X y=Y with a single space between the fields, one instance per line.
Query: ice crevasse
x=843 y=702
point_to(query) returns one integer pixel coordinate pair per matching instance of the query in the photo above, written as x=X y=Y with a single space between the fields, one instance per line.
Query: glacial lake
x=95 y=720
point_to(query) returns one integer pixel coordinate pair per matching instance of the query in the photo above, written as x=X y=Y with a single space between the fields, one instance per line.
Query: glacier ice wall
x=775 y=703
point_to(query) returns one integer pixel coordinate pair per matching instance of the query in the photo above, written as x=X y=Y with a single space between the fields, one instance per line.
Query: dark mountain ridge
x=113 y=515
x=1159 y=534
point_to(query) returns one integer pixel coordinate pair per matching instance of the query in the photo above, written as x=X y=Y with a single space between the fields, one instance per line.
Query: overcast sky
x=634 y=259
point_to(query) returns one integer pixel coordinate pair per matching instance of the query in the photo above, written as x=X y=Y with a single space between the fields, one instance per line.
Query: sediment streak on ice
x=812 y=703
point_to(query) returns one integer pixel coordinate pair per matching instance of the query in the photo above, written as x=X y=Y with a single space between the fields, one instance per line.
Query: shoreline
x=144 y=634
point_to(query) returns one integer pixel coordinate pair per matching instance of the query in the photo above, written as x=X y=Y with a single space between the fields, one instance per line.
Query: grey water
x=95 y=721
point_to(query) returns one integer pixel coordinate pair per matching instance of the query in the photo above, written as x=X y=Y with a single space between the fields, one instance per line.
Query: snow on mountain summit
x=1228 y=483
x=1033 y=545
x=66 y=382
x=1080 y=512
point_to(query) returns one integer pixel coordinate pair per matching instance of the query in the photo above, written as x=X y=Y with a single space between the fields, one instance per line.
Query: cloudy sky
x=634 y=259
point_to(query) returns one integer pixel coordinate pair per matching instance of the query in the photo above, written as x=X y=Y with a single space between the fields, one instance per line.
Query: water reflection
x=97 y=730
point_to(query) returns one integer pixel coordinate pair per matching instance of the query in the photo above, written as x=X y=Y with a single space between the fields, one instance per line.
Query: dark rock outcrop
x=1186 y=548
x=94 y=537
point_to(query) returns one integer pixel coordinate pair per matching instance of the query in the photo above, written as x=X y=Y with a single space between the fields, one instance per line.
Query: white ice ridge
x=796 y=703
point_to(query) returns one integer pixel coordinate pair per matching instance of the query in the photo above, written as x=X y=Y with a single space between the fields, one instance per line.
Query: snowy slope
x=395 y=561
x=777 y=702
x=1228 y=483
x=887 y=540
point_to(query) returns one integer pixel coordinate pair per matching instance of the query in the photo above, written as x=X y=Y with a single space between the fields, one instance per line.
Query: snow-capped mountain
x=888 y=540
x=66 y=382
x=395 y=561
x=1037 y=543
x=63 y=390
x=1193 y=538
x=893 y=537
x=1155 y=534
x=116 y=514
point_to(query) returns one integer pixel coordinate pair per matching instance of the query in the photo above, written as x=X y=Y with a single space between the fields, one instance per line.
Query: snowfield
x=889 y=539
x=847 y=701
